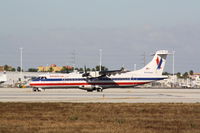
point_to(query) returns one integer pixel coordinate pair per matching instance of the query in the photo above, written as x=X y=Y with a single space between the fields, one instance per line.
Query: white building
x=15 y=78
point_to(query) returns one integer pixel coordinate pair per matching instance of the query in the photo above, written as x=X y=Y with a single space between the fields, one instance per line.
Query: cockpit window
x=40 y=78
x=43 y=78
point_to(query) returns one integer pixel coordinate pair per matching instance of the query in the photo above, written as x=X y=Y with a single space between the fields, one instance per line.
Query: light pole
x=135 y=67
x=100 y=57
x=21 y=62
x=173 y=54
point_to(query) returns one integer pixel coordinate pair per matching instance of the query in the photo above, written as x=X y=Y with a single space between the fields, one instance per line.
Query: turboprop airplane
x=105 y=79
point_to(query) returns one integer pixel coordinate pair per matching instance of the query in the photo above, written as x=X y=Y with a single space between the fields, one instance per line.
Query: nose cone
x=30 y=83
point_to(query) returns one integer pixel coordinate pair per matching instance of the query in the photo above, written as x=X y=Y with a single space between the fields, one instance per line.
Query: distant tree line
x=185 y=75
x=8 y=68
x=87 y=69
x=83 y=69
x=18 y=69
x=63 y=70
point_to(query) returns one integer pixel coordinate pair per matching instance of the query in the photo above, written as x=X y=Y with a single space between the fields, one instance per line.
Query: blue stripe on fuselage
x=97 y=79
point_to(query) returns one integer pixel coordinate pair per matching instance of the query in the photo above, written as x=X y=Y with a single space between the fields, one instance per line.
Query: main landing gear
x=37 y=89
x=98 y=90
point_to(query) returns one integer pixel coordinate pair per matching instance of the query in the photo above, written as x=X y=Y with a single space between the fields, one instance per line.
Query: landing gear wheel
x=36 y=89
x=99 y=89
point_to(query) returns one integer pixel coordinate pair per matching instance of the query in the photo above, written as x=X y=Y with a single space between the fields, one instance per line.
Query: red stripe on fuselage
x=78 y=84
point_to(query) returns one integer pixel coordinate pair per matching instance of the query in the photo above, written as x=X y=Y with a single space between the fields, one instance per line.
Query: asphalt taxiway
x=107 y=96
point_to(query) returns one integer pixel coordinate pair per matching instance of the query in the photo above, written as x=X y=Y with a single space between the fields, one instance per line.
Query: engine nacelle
x=90 y=87
x=87 y=87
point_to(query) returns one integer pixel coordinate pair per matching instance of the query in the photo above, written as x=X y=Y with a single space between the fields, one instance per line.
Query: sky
x=53 y=31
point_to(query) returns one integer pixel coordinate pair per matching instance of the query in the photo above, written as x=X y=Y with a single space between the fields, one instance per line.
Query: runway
x=107 y=96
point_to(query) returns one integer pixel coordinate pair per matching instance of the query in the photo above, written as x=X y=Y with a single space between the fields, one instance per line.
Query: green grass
x=99 y=118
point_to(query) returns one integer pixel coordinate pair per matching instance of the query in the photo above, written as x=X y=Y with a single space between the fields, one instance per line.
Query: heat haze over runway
x=108 y=96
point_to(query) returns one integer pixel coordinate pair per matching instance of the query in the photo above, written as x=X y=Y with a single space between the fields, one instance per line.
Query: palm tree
x=6 y=68
x=178 y=75
x=185 y=75
x=18 y=68
x=191 y=72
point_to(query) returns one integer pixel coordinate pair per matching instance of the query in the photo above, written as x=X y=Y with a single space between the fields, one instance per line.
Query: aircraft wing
x=105 y=73
x=112 y=72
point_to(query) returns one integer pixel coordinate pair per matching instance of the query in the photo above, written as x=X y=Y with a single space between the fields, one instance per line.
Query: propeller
x=85 y=74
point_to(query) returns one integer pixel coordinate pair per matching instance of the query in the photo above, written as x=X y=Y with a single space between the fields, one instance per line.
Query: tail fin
x=156 y=66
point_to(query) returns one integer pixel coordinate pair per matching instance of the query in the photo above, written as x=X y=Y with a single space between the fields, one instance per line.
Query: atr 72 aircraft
x=105 y=79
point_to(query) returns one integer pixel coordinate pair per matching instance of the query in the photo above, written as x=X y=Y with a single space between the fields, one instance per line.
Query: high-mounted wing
x=104 y=73
x=112 y=72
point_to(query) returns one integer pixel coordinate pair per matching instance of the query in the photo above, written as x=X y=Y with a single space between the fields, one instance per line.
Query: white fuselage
x=75 y=80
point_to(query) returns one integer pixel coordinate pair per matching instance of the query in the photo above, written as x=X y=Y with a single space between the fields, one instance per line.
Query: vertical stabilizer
x=156 y=66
